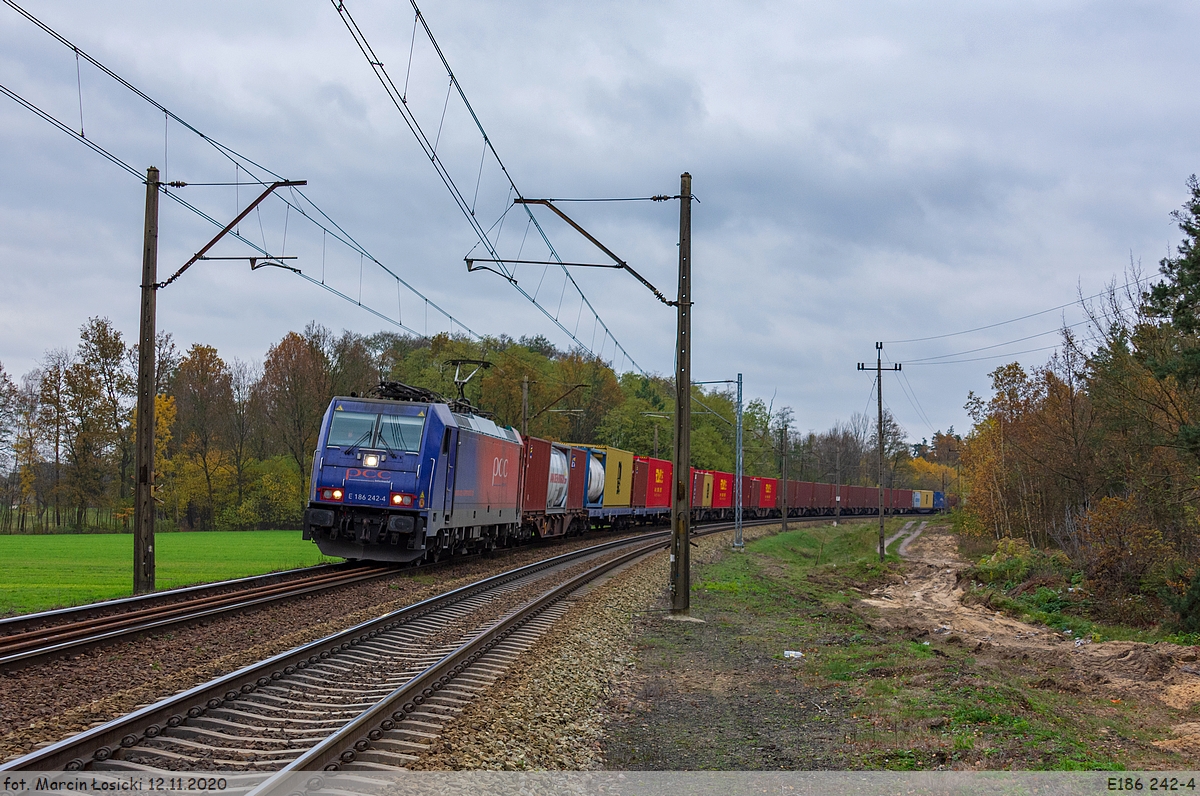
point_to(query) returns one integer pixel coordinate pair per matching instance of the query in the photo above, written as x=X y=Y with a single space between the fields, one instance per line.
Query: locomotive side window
x=401 y=433
x=446 y=442
x=350 y=429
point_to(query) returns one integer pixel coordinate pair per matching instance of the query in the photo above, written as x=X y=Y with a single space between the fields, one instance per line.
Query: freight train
x=410 y=476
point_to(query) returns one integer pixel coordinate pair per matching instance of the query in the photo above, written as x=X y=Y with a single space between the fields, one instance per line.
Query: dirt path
x=930 y=600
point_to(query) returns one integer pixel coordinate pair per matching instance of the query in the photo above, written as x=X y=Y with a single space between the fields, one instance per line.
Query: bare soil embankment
x=929 y=600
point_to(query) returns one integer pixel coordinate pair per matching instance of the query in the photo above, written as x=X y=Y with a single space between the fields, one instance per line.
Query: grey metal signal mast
x=879 y=388
x=738 y=468
x=143 y=516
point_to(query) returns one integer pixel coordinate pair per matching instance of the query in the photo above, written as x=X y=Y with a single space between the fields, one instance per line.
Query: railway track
x=29 y=638
x=403 y=674
x=34 y=637
x=372 y=696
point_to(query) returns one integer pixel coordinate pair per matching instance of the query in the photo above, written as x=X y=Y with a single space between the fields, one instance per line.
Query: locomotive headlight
x=337 y=494
x=371 y=460
x=401 y=499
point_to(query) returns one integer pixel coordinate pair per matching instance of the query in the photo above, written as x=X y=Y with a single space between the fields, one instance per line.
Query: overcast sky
x=866 y=171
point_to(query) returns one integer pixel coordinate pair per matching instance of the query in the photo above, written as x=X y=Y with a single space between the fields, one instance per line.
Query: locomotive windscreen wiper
x=366 y=435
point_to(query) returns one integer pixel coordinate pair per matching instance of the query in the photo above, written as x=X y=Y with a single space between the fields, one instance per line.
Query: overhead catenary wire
x=399 y=100
x=264 y=254
x=242 y=164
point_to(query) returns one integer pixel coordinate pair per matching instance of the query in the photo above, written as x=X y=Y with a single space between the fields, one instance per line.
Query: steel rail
x=100 y=742
x=252 y=581
x=22 y=648
x=344 y=745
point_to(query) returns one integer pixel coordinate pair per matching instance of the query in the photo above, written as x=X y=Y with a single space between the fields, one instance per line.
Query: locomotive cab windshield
x=390 y=432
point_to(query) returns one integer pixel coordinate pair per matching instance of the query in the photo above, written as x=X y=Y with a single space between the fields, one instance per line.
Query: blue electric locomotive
x=402 y=480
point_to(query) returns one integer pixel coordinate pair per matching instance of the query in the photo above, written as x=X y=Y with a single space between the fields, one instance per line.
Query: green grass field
x=53 y=571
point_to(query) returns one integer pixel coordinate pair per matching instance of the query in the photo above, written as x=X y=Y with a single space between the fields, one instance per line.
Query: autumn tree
x=296 y=389
x=202 y=388
x=103 y=359
x=239 y=424
x=53 y=418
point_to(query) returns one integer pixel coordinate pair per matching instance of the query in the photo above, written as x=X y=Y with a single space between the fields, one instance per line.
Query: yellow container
x=708 y=491
x=926 y=499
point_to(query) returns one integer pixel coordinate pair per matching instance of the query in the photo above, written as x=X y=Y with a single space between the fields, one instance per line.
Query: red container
x=577 y=478
x=536 y=475
x=768 y=493
x=651 y=483
x=856 y=497
x=902 y=498
x=641 y=479
x=849 y=495
x=697 y=481
x=749 y=492
x=659 y=483
x=800 y=494
x=722 y=497
x=823 y=496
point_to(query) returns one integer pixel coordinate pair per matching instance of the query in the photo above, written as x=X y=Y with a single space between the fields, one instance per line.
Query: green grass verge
x=920 y=703
x=53 y=571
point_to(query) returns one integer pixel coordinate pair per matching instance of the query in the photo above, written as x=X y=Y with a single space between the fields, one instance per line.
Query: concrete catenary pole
x=681 y=508
x=783 y=473
x=879 y=429
x=143 y=523
x=879 y=389
x=737 y=478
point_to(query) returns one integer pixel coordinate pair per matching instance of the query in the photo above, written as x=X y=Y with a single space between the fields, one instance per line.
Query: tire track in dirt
x=929 y=598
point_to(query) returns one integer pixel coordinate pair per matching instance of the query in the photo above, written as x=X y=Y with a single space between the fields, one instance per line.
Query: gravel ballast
x=549 y=710
x=46 y=702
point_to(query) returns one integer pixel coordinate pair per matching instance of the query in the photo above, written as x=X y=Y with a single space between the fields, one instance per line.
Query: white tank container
x=556 y=490
x=595 y=490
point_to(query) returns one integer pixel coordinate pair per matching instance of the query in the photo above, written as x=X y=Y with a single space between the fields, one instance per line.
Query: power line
x=994 y=356
x=659 y=198
x=1022 y=318
x=998 y=345
x=911 y=396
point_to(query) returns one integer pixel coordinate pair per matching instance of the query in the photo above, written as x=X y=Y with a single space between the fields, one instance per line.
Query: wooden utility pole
x=143 y=522
x=783 y=432
x=879 y=388
x=681 y=508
